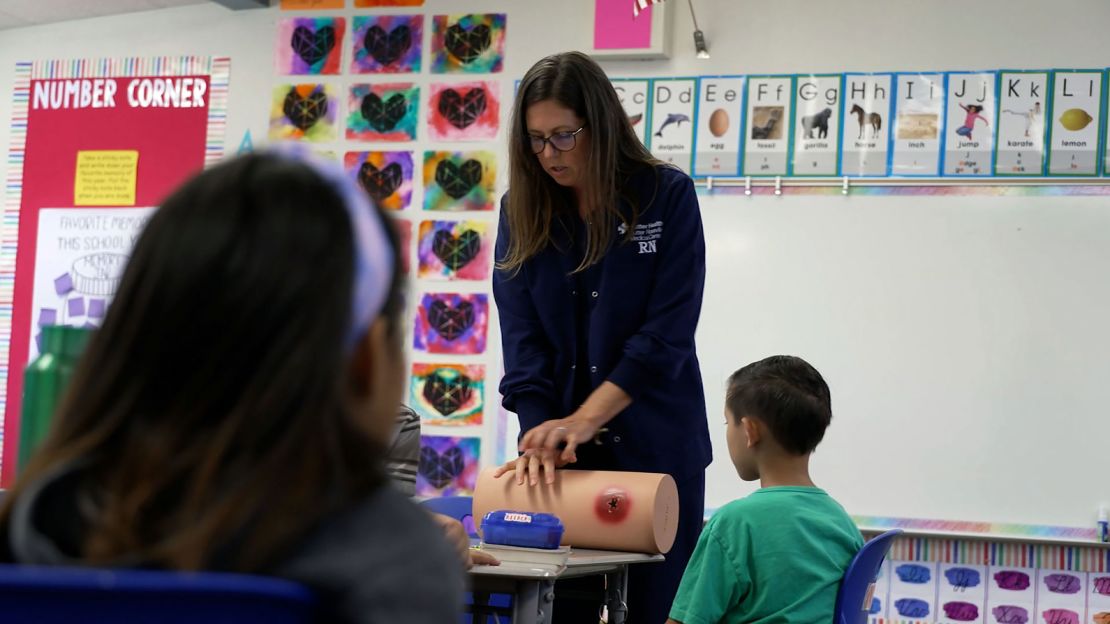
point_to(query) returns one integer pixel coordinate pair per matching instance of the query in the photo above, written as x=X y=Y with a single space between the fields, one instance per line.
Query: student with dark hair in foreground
x=234 y=410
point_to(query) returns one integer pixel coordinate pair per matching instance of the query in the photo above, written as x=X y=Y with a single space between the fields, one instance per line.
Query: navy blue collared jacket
x=639 y=309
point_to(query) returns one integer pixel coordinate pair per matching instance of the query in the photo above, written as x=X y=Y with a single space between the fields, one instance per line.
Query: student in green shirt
x=779 y=554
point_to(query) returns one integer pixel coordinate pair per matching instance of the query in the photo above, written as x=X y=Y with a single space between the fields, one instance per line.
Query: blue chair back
x=857 y=590
x=460 y=508
x=57 y=595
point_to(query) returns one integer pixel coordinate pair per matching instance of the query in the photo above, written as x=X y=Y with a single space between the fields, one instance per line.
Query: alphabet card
x=1011 y=595
x=919 y=120
x=1062 y=595
x=817 y=125
x=867 y=107
x=913 y=591
x=1073 y=135
x=1098 y=599
x=720 y=126
x=633 y=95
x=672 y=120
x=766 y=149
x=1022 y=102
x=962 y=593
x=971 y=120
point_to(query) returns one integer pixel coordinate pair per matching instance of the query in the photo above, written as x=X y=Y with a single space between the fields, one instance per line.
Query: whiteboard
x=965 y=341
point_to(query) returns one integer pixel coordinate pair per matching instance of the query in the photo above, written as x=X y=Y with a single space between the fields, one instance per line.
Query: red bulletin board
x=170 y=111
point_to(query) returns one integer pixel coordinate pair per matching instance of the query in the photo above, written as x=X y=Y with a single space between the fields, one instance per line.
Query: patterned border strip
x=9 y=238
x=217 y=68
x=990 y=553
x=986 y=529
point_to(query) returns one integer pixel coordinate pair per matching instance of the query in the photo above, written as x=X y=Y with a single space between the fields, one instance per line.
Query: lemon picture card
x=918 y=123
x=972 y=117
x=1023 y=98
x=1076 y=128
x=816 y=125
x=720 y=126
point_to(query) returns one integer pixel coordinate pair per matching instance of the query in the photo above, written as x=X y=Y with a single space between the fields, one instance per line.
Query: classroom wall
x=744 y=37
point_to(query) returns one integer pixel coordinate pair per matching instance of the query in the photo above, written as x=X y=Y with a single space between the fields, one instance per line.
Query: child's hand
x=531 y=464
x=481 y=557
x=456 y=536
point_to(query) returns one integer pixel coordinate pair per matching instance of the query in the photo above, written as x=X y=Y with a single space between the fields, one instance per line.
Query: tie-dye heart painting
x=464 y=111
x=459 y=181
x=385 y=176
x=382 y=112
x=309 y=45
x=448 y=466
x=448 y=395
x=473 y=44
x=304 y=112
x=387 y=44
x=454 y=250
x=452 y=323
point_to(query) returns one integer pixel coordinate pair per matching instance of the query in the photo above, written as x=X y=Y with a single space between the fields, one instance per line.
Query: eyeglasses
x=561 y=141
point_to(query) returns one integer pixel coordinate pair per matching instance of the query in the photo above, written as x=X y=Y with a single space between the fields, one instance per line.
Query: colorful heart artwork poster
x=362 y=4
x=448 y=466
x=454 y=250
x=452 y=323
x=459 y=181
x=387 y=44
x=304 y=112
x=404 y=237
x=382 y=112
x=464 y=111
x=309 y=45
x=473 y=44
x=385 y=176
x=448 y=395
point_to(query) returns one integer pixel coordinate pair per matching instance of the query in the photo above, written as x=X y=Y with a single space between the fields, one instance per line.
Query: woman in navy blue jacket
x=599 y=280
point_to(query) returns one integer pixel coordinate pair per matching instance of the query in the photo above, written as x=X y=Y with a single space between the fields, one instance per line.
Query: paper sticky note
x=106 y=178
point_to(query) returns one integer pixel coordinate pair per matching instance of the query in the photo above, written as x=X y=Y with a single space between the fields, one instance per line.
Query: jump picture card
x=971 y=121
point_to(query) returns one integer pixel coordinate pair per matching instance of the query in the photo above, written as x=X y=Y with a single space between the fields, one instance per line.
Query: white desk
x=533 y=585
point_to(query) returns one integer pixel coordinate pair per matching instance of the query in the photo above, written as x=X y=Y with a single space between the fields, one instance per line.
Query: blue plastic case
x=522 y=529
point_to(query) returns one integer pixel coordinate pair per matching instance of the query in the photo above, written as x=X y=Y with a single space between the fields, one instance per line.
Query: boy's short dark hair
x=788 y=395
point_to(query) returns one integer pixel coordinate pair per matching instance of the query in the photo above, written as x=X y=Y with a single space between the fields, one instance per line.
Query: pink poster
x=616 y=29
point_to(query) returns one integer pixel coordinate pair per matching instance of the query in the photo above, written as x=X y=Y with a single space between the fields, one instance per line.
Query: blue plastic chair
x=62 y=595
x=460 y=508
x=857 y=590
x=484 y=607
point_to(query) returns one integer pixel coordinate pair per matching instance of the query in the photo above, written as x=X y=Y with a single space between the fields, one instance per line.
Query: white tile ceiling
x=19 y=13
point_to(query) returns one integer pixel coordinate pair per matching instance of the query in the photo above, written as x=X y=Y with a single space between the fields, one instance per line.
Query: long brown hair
x=575 y=81
x=212 y=416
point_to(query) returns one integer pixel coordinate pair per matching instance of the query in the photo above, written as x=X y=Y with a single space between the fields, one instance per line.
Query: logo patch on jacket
x=647 y=235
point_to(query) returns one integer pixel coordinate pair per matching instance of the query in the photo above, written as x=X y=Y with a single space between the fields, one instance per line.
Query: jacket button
x=616 y=438
x=574 y=292
x=593 y=369
x=573 y=366
x=594 y=294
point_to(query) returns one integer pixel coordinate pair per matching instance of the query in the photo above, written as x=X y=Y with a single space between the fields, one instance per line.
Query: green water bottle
x=44 y=381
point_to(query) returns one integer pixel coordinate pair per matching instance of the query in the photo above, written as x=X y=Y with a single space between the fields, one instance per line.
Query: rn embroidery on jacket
x=647 y=235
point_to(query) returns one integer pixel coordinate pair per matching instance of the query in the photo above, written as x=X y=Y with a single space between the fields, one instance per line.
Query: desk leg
x=533 y=602
x=616 y=588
